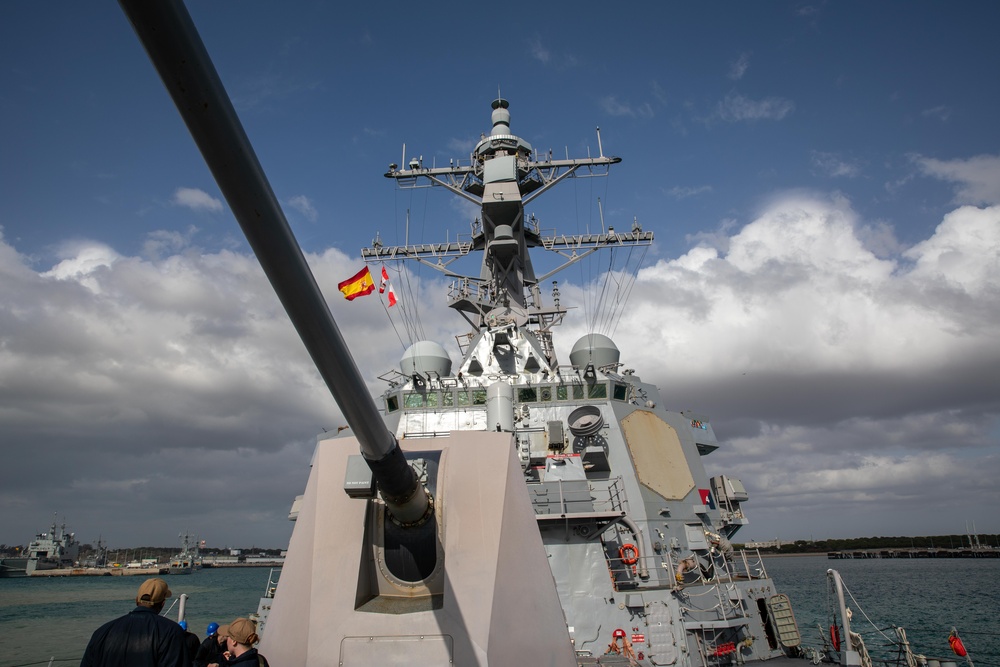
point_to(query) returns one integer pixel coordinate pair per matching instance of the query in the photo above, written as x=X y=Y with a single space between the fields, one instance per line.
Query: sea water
x=43 y=618
x=53 y=617
x=926 y=597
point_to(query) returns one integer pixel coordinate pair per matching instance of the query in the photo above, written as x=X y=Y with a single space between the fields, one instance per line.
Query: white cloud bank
x=851 y=388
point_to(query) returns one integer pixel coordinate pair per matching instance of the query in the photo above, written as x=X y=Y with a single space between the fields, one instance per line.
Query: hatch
x=784 y=620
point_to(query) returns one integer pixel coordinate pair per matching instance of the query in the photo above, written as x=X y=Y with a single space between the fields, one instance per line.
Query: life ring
x=629 y=554
x=835 y=637
x=957 y=646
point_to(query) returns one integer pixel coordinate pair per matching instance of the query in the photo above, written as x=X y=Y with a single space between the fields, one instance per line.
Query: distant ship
x=48 y=551
x=188 y=560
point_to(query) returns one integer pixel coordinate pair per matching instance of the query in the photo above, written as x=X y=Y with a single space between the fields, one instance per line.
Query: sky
x=823 y=181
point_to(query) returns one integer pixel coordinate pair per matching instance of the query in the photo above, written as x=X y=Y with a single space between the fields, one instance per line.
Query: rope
x=887 y=638
x=859 y=645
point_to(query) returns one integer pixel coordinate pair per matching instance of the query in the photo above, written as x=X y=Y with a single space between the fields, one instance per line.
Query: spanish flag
x=357 y=285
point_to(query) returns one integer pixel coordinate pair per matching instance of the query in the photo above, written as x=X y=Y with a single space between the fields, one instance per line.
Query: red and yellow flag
x=357 y=285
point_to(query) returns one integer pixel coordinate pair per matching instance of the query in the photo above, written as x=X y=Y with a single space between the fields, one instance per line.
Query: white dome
x=594 y=348
x=425 y=357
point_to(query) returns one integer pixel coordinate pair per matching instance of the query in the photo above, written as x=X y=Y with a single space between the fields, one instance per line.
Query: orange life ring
x=835 y=637
x=629 y=554
x=957 y=646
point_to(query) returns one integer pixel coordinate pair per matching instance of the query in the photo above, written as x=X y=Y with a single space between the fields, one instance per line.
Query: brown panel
x=657 y=455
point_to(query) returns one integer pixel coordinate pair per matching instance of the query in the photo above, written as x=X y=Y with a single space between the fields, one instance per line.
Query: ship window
x=432 y=399
x=413 y=400
x=479 y=397
x=545 y=394
x=527 y=395
x=447 y=399
x=578 y=391
x=463 y=397
x=598 y=391
x=562 y=393
x=392 y=403
x=621 y=391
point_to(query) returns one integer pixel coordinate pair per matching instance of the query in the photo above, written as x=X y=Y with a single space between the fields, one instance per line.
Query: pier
x=921 y=552
x=100 y=572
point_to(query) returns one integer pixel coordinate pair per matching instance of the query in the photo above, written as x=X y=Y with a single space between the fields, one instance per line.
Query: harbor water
x=49 y=618
x=53 y=617
x=927 y=597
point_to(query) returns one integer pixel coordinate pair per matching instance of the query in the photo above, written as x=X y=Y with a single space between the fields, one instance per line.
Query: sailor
x=210 y=651
x=242 y=636
x=141 y=637
x=190 y=639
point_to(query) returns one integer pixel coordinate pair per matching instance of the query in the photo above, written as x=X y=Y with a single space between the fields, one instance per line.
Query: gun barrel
x=172 y=42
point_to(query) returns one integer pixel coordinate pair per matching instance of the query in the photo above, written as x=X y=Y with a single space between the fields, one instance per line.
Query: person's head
x=222 y=635
x=212 y=629
x=152 y=593
x=242 y=635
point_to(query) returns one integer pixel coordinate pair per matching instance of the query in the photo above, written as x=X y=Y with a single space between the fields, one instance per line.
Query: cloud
x=611 y=106
x=845 y=377
x=659 y=94
x=303 y=205
x=679 y=192
x=166 y=375
x=542 y=54
x=843 y=372
x=941 y=113
x=739 y=67
x=977 y=179
x=736 y=107
x=197 y=200
x=831 y=164
x=539 y=52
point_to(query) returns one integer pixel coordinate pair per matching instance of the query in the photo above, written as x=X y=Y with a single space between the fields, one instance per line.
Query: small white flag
x=385 y=285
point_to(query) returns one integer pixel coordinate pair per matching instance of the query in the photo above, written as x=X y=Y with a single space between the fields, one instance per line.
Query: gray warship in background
x=511 y=510
x=53 y=550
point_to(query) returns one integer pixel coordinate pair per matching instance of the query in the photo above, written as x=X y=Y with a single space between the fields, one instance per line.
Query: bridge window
x=392 y=403
x=527 y=395
x=599 y=390
x=621 y=392
x=562 y=392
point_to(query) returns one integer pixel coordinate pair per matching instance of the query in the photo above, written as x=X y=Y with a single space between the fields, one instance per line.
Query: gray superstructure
x=515 y=509
x=634 y=531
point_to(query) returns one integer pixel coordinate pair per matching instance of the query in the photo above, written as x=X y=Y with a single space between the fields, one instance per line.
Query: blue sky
x=823 y=180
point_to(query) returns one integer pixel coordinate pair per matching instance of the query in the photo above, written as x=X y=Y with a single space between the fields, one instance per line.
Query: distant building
x=771 y=544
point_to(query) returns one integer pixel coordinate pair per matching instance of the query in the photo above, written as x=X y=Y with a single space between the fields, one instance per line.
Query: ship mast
x=502 y=176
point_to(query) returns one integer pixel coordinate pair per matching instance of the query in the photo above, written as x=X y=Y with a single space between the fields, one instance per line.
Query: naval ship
x=48 y=551
x=188 y=560
x=511 y=509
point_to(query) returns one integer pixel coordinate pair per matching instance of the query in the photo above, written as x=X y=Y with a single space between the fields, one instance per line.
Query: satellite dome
x=595 y=349
x=425 y=357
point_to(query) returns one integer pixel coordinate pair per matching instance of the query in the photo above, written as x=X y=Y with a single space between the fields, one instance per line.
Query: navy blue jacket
x=140 y=638
x=209 y=652
x=249 y=659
